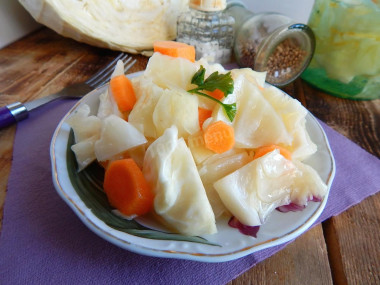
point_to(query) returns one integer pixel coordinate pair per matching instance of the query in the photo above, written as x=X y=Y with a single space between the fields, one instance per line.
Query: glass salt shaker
x=271 y=42
x=208 y=29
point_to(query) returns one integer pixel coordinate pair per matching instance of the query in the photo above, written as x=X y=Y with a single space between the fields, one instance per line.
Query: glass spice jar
x=208 y=29
x=271 y=42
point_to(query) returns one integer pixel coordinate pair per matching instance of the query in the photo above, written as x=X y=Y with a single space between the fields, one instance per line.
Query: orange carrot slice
x=219 y=137
x=269 y=148
x=126 y=188
x=123 y=93
x=175 y=49
x=217 y=94
x=203 y=115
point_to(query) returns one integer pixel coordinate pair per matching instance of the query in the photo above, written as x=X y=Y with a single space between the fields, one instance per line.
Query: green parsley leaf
x=223 y=82
x=199 y=77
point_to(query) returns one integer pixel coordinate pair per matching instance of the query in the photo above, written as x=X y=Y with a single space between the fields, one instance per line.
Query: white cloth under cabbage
x=127 y=25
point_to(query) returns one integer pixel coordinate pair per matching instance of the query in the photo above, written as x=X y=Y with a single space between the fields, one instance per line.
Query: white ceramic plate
x=227 y=244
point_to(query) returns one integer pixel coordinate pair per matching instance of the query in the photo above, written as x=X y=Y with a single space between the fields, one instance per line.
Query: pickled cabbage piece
x=239 y=77
x=293 y=115
x=119 y=69
x=256 y=122
x=215 y=169
x=117 y=136
x=147 y=94
x=210 y=67
x=309 y=185
x=252 y=192
x=255 y=77
x=180 y=198
x=128 y=25
x=84 y=125
x=107 y=106
x=137 y=154
x=197 y=147
x=170 y=72
x=179 y=108
x=85 y=152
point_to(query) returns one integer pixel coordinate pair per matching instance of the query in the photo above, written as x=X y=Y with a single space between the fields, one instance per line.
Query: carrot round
x=217 y=94
x=203 y=115
x=175 y=49
x=269 y=148
x=126 y=188
x=123 y=93
x=219 y=137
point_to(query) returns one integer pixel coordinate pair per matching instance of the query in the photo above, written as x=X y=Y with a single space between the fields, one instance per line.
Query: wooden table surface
x=343 y=250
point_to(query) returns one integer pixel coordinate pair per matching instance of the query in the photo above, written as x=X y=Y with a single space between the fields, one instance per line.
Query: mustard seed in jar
x=272 y=43
x=287 y=58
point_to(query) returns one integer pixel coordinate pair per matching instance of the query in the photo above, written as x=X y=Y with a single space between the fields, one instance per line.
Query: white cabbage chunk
x=308 y=184
x=128 y=25
x=210 y=67
x=170 y=72
x=252 y=192
x=180 y=198
x=107 y=106
x=83 y=124
x=119 y=69
x=216 y=168
x=147 y=97
x=293 y=115
x=85 y=152
x=255 y=77
x=256 y=122
x=197 y=147
x=179 y=108
x=117 y=136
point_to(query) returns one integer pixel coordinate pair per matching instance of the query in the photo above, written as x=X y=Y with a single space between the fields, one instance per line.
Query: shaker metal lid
x=208 y=5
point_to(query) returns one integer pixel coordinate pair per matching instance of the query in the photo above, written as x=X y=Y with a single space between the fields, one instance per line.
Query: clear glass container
x=271 y=42
x=347 y=56
x=208 y=29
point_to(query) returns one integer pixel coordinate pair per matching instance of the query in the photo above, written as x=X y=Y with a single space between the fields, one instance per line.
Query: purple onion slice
x=244 y=229
x=293 y=207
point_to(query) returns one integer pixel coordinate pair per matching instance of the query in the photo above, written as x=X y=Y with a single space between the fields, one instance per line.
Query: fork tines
x=104 y=74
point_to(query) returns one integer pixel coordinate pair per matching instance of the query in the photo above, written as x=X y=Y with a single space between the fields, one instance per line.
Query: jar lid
x=208 y=5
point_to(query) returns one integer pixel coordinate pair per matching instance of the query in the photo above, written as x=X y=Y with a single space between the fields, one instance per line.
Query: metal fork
x=17 y=111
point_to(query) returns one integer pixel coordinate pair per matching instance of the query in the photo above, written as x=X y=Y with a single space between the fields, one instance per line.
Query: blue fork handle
x=12 y=114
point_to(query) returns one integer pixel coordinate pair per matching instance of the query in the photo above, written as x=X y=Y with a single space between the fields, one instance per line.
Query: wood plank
x=353 y=238
x=6 y=148
x=357 y=120
x=304 y=261
x=51 y=63
x=354 y=235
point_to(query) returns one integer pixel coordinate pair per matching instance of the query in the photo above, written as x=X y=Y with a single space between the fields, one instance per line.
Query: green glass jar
x=346 y=61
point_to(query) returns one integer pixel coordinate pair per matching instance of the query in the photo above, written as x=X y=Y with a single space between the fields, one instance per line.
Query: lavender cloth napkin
x=43 y=242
